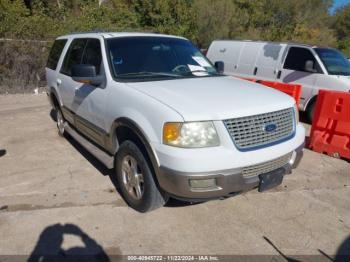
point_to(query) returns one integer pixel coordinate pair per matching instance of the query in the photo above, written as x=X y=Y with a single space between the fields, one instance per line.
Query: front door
x=84 y=103
x=294 y=71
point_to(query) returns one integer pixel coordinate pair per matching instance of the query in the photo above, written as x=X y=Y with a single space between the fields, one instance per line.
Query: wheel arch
x=310 y=102
x=54 y=98
x=126 y=129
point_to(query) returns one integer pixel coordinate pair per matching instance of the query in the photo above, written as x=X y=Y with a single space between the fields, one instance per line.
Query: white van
x=311 y=66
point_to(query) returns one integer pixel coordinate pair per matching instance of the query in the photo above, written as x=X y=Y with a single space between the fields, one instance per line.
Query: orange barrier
x=293 y=90
x=249 y=79
x=330 y=132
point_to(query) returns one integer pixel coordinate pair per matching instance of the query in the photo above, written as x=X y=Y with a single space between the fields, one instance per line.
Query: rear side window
x=297 y=57
x=55 y=53
x=74 y=55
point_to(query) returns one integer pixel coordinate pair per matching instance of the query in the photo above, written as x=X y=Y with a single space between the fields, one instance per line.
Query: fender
x=312 y=99
x=113 y=143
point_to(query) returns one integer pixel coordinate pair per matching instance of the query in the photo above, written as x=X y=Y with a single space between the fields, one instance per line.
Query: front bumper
x=227 y=182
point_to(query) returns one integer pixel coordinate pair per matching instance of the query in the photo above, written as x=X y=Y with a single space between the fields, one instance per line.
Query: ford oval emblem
x=270 y=127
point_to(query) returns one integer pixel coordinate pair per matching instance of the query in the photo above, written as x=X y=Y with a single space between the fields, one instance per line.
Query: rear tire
x=136 y=180
x=61 y=122
x=310 y=111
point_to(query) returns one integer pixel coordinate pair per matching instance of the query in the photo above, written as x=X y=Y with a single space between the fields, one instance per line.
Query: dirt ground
x=56 y=196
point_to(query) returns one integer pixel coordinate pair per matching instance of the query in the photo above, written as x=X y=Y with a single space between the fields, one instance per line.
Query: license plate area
x=271 y=179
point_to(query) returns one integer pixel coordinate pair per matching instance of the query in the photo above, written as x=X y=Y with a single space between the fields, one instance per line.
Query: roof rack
x=87 y=32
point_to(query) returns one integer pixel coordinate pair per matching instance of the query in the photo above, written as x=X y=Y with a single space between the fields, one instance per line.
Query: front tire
x=135 y=179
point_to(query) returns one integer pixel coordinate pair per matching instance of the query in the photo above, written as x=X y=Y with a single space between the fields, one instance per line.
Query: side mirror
x=220 y=66
x=309 y=66
x=86 y=74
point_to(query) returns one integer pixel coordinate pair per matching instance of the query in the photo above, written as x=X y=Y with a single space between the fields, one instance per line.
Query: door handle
x=58 y=81
x=279 y=74
x=255 y=70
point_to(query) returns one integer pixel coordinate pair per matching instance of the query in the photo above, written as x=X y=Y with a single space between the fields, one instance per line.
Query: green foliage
x=341 y=26
x=202 y=21
x=305 y=21
x=169 y=17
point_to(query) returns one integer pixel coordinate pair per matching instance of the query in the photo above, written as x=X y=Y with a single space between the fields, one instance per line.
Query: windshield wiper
x=146 y=73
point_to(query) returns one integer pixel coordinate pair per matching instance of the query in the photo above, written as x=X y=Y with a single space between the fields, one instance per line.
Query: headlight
x=296 y=112
x=190 y=134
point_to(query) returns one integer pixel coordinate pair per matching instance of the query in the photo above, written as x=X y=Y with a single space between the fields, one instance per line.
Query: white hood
x=215 y=98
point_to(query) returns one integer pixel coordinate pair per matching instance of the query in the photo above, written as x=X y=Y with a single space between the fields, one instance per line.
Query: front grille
x=250 y=132
x=266 y=167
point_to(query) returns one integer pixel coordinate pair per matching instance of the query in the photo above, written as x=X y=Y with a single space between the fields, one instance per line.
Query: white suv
x=155 y=109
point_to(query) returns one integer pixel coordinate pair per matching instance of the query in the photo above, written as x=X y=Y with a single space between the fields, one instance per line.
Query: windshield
x=161 y=58
x=334 y=61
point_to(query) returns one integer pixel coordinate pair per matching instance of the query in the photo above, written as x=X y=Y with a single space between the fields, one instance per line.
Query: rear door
x=267 y=63
x=227 y=52
x=246 y=64
x=293 y=70
x=53 y=61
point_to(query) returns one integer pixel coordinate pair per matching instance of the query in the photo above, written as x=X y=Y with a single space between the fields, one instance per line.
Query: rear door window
x=74 y=55
x=55 y=53
x=297 y=57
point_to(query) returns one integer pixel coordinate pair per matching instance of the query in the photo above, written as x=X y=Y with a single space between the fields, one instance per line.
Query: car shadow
x=94 y=162
x=49 y=246
x=2 y=152
x=173 y=202
x=89 y=157
x=343 y=252
x=110 y=173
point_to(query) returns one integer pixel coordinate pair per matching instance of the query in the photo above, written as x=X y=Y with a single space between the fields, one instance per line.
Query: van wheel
x=135 y=179
x=61 y=122
x=310 y=112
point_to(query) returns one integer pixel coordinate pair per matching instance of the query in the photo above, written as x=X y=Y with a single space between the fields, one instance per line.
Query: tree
x=170 y=17
x=341 y=25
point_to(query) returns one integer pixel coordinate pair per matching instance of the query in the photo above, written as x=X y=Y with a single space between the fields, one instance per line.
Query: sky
x=337 y=4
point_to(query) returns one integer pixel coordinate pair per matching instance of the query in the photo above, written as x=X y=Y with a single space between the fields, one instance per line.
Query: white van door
x=296 y=71
x=227 y=52
x=247 y=59
x=267 y=63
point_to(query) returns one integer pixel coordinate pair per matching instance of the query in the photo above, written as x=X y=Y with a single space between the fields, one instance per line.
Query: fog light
x=292 y=159
x=203 y=183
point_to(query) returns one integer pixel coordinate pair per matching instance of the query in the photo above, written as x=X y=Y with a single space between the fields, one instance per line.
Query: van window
x=74 y=55
x=92 y=54
x=334 y=61
x=297 y=57
x=55 y=53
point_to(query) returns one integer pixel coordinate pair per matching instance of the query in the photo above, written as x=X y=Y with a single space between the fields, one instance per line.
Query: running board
x=105 y=158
